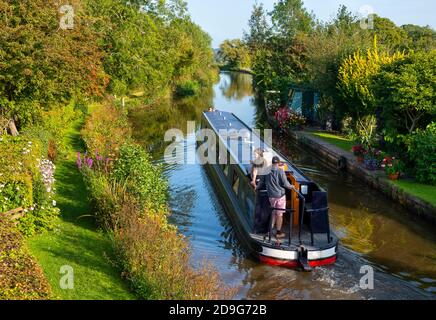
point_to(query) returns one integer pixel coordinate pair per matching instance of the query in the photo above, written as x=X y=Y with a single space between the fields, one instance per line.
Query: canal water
x=373 y=230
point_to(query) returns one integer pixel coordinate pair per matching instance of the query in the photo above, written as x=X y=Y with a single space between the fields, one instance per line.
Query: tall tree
x=289 y=17
x=150 y=45
x=390 y=36
x=406 y=90
x=259 y=29
x=326 y=48
x=355 y=79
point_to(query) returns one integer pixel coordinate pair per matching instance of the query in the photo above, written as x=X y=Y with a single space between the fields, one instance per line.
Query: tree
x=289 y=17
x=259 y=29
x=280 y=65
x=136 y=56
x=192 y=52
x=326 y=48
x=389 y=34
x=150 y=45
x=235 y=53
x=41 y=65
x=420 y=38
x=405 y=90
x=281 y=60
x=355 y=76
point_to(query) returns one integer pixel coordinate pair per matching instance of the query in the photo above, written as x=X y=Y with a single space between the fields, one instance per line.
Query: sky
x=226 y=19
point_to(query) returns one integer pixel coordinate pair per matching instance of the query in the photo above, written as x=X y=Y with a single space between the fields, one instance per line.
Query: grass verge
x=76 y=242
x=423 y=191
x=339 y=141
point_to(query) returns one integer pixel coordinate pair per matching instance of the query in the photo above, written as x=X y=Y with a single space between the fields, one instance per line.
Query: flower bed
x=20 y=276
x=26 y=181
x=288 y=119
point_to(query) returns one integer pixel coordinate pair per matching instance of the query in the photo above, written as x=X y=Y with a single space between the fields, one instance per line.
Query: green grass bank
x=76 y=241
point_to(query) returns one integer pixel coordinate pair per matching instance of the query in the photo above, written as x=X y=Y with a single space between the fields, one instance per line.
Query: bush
x=142 y=178
x=155 y=258
x=18 y=171
x=422 y=152
x=106 y=130
x=149 y=250
x=21 y=278
x=130 y=197
x=26 y=181
x=52 y=129
x=187 y=89
x=102 y=195
x=39 y=219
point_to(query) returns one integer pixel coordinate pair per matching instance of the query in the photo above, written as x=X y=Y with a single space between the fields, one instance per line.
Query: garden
x=376 y=86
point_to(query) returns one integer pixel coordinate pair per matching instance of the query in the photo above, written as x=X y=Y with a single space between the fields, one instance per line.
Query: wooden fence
x=14 y=214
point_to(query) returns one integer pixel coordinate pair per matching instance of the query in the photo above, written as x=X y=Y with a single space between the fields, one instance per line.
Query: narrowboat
x=308 y=242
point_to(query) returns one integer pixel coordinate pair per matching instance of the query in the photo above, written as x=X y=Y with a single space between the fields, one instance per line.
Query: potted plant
x=371 y=159
x=359 y=152
x=393 y=168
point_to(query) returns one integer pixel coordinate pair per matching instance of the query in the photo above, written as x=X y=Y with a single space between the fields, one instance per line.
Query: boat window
x=235 y=182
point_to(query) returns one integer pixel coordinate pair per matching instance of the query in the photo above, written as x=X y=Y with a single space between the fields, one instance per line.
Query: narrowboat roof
x=226 y=121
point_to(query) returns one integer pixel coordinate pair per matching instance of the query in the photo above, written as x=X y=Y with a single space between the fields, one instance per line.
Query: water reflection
x=237 y=86
x=373 y=230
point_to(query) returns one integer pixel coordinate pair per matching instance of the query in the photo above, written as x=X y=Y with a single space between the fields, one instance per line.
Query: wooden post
x=13 y=128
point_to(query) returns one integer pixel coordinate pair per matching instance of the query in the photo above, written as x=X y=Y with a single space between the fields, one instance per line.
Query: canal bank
x=343 y=160
x=373 y=230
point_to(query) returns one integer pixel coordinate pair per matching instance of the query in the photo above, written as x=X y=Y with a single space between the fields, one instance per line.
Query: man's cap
x=275 y=160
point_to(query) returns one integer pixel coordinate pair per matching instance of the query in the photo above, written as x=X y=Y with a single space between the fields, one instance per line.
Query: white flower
x=54 y=203
x=32 y=208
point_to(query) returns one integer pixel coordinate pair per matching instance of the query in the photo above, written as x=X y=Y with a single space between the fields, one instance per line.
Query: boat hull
x=291 y=259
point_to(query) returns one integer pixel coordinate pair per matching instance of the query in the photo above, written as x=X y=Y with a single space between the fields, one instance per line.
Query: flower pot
x=394 y=176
